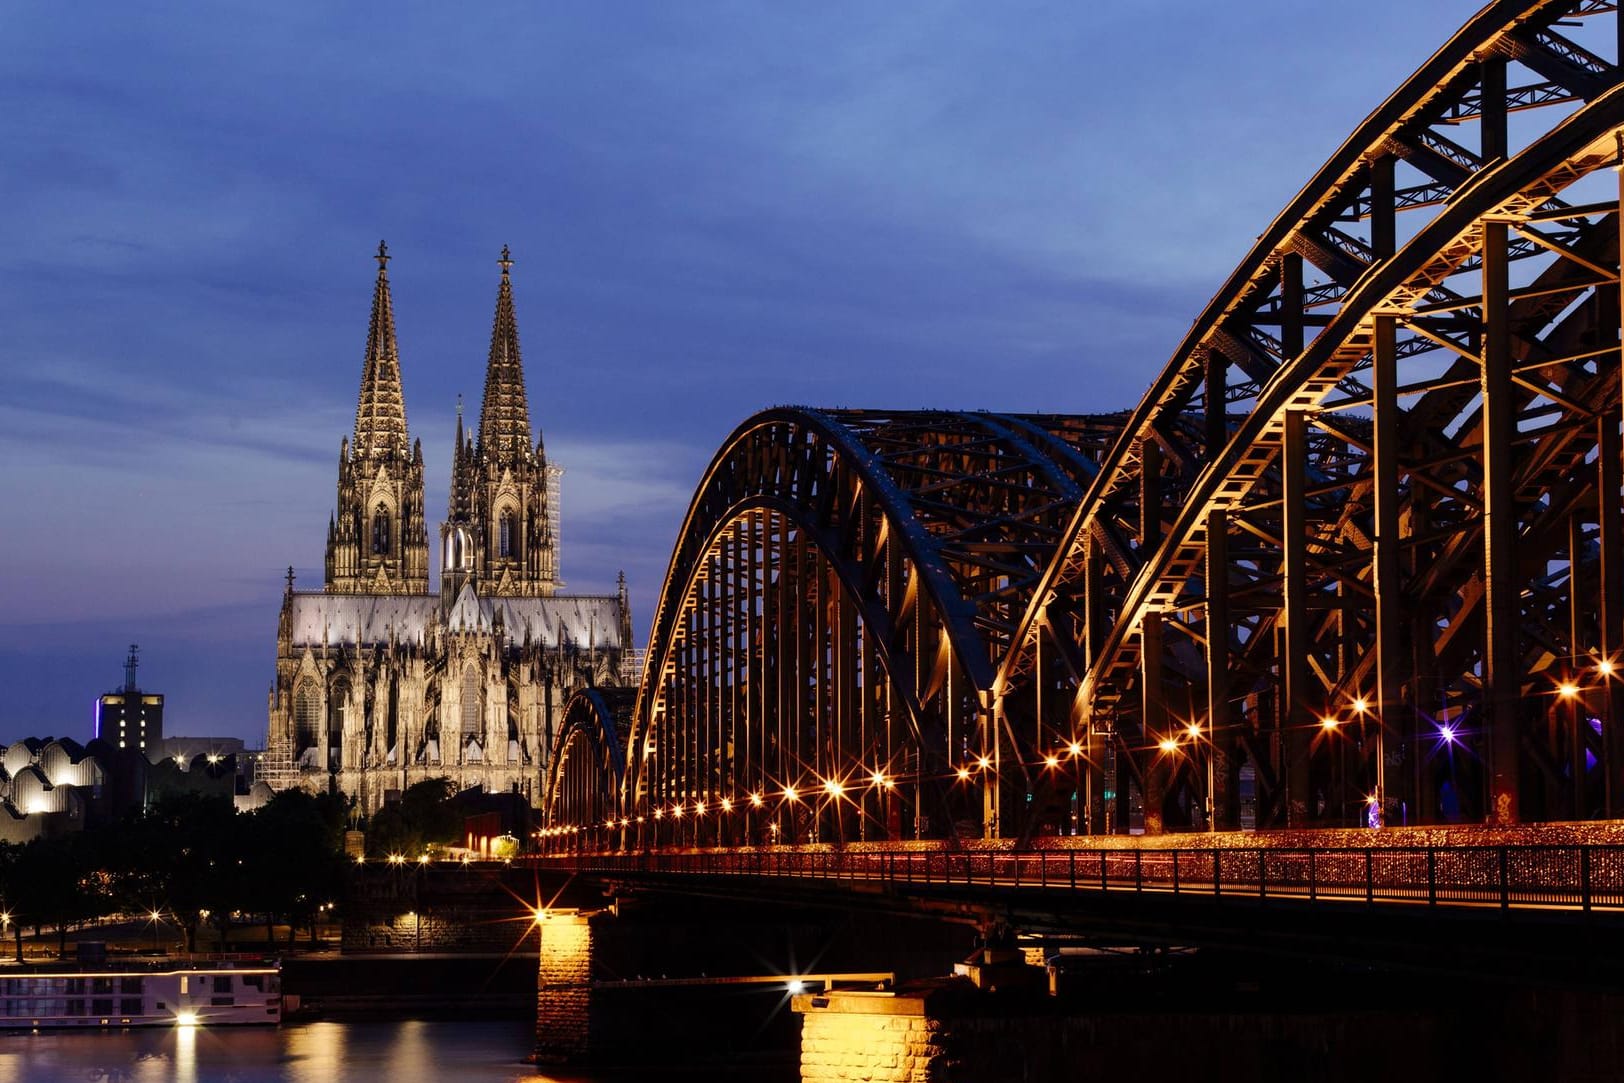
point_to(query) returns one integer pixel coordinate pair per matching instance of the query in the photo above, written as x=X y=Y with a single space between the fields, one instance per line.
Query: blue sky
x=713 y=207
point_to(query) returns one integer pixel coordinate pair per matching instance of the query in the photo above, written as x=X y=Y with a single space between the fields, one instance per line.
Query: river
x=354 y=1052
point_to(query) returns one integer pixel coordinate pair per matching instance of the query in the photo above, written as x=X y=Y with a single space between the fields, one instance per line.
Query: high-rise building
x=129 y=717
x=381 y=682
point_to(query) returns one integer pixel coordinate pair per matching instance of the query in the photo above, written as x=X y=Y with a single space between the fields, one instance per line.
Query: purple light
x=1447 y=732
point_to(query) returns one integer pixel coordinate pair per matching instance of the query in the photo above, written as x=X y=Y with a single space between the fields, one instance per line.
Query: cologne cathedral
x=381 y=682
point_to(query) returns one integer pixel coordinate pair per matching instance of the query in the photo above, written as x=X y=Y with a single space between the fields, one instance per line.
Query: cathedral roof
x=467 y=615
x=350 y=619
x=504 y=418
x=380 y=412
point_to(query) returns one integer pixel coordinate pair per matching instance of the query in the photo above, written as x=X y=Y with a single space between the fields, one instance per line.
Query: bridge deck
x=1580 y=878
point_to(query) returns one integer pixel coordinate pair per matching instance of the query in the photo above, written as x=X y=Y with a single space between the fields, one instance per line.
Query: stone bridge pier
x=668 y=979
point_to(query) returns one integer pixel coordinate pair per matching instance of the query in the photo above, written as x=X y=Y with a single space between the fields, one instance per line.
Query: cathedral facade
x=382 y=682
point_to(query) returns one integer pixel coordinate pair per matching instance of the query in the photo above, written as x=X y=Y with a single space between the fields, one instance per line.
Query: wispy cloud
x=716 y=206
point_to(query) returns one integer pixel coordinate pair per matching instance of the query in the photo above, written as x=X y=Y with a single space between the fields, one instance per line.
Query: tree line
x=189 y=857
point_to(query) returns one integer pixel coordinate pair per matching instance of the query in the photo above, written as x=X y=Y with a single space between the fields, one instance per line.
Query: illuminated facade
x=129 y=717
x=382 y=682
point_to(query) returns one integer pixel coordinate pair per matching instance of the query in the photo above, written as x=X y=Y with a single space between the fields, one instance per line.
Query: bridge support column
x=1610 y=528
x=1502 y=680
x=564 y=989
x=1093 y=781
x=1294 y=746
x=1611 y=610
x=952 y=1029
x=1159 y=767
x=1218 y=729
x=1386 y=546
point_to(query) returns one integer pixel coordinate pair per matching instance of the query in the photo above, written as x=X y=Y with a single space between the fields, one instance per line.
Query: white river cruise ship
x=206 y=994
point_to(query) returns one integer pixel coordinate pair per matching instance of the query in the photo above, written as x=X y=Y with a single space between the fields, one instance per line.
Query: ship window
x=222 y=983
x=101 y=985
x=101 y=1006
x=222 y=1002
x=254 y=981
x=130 y=986
x=380 y=530
x=129 y=1006
x=184 y=982
x=76 y=1007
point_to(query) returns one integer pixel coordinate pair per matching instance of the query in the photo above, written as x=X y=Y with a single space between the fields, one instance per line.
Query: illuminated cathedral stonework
x=381 y=683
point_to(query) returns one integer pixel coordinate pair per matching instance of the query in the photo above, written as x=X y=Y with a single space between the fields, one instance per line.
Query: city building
x=50 y=785
x=382 y=682
x=129 y=717
x=185 y=751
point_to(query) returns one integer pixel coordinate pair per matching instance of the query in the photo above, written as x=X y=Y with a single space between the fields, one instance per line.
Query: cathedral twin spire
x=504 y=419
x=501 y=528
x=380 y=413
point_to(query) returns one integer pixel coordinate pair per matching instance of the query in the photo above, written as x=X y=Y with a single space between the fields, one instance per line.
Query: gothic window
x=306 y=717
x=392 y=733
x=513 y=731
x=338 y=707
x=380 y=530
x=507 y=539
x=470 y=703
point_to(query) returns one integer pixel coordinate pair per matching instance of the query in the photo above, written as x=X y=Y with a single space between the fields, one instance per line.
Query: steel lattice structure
x=589 y=759
x=1358 y=546
x=840 y=597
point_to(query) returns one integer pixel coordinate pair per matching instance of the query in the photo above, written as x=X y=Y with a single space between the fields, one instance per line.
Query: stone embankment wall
x=451 y=907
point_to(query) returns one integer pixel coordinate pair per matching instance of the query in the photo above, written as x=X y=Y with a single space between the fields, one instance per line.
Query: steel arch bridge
x=1356 y=553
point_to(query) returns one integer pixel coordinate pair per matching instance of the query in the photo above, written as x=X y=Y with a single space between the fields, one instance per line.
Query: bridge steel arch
x=1357 y=554
x=1387 y=571
x=838 y=601
x=587 y=766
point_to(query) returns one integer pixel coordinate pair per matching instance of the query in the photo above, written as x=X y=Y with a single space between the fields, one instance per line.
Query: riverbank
x=418 y=986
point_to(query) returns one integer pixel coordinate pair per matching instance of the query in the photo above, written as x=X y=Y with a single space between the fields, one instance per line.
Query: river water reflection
x=357 y=1052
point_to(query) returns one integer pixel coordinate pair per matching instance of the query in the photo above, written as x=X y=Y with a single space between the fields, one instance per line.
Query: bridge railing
x=1542 y=877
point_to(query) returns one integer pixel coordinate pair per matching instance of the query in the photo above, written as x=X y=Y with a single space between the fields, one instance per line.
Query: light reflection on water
x=397 y=1052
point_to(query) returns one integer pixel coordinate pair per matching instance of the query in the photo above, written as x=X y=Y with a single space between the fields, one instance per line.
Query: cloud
x=715 y=207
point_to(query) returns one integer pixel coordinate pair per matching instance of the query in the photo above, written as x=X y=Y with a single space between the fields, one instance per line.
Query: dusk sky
x=712 y=207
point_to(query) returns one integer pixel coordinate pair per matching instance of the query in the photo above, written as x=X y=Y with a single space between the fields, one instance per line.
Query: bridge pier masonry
x=631 y=979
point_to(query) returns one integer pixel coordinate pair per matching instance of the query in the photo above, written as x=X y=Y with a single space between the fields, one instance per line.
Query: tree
x=425 y=816
x=296 y=842
x=59 y=880
x=190 y=845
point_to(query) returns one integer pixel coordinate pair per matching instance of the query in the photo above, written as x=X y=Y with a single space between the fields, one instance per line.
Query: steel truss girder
x=1256 y=324
x=912 y=541
x=588 y=760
